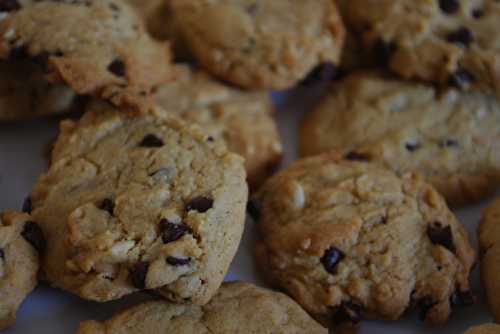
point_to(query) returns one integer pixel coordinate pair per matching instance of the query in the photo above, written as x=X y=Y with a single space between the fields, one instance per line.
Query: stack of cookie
x=147 y=189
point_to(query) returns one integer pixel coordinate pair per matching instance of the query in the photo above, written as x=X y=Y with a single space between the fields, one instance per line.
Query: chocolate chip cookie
x=134 y=202
x=484 y=329
x=451 y=138
x=350 y=240
x=96 y=47
x=21 y=240
x=261 y=44
x=243 y=120
x=448 y=42
x=238 y=308
x=489 y=241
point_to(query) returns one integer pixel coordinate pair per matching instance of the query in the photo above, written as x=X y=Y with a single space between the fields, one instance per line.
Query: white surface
x=51 y=311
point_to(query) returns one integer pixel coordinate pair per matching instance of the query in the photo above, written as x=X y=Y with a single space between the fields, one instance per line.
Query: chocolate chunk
x=2 y=254
x=138 y=274
x=346 y=312
x=253 y=209
x=107 y=205
x=459 y=298
x=383 y=51
x=201 y=204
x=449 y=6
x=19 y=52
x=252 y=9
x=117 y=67
x=9 y=5
x=424 y=306
x=477 y=13
x=321 y=73
x=355 y=156
x=441 y=235
x=461 y=78
x=171 y=232
x=33 y=234
x=448 y=143
x=331 y=259
x=412 y=147
x=27 y=205
x=177 y=261
x=462 y=37
x=151 y=141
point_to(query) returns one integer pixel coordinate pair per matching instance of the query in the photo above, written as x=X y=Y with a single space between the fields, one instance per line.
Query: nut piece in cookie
x=236 y=308
x=21 y=241
x=134 y=202
x=261 y=44
x=349 y=239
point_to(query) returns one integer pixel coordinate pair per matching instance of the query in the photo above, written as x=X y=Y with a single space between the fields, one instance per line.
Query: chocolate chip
x=27 y=205
x=331 y=259
x=462 y=37
x=171 y=232
x=138 y=274
x=201 y=204
x=412 y=147
x=477 y=13
x=252 y=9
x=449 y=6
x=383 y=51
x=355 y=156
x=107 y=205
x=33 y=234
x=253 y=209
x=346 y=312
x=321 y=73
x=151 y=141
x=424 y=306
x=441 y=235
x=459 y=298
x=117 y=67
x=461 y=78
x=19 y=52
x=448 y=143
x=177 y=261
x=2 y=254
x=9 y=5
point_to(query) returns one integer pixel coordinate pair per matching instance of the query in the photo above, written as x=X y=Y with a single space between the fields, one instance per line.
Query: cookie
x=95 y=47
x=451 y=138
x=262 y=44
x=350 y=240
x=489 y=242
x=243 y=120
x=20 y=241
x=448 y=42
x=133 y=202
x=484 y=329
x=238 y=308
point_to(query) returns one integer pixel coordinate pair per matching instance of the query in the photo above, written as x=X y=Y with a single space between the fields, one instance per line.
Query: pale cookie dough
x=21 y=240
x=139 y=202
x=238 y=308
x=451 y=138
x=261 y=44
x=351 y=240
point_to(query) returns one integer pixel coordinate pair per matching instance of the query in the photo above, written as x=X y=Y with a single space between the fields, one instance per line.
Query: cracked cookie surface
x=95 y=47
x=262 y=44
x=243 y=120
x=134 y=202
x=451 y=138
x=20 y=241
x=238 y=308
x=351 y=240
x=448 y=42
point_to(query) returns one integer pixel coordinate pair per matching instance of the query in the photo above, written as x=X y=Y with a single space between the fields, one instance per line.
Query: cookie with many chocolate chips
x=449 y=42
x=351 y=240
x=451 y=138
x=243 y=120
x=94 y=47
x=489 y=242
x=261 y=44
x=139 y=202
x=21 y=240
x=237 y=308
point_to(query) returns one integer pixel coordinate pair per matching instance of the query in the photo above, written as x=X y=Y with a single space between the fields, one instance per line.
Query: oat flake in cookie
x=451 y=138
x=21 y=241
x=261 y=44
x=96 y=47
x=447 y=42
x=351 y=240
x=139 y=202
x=237 y=308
